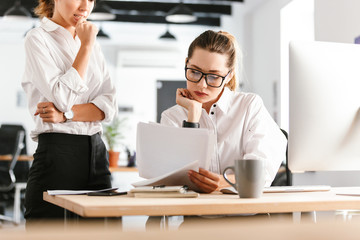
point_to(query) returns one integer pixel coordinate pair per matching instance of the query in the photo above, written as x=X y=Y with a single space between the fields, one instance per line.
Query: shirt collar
x=224 y=102
x=49 y=25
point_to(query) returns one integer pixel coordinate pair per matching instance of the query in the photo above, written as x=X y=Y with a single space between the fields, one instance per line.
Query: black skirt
x=65 y=162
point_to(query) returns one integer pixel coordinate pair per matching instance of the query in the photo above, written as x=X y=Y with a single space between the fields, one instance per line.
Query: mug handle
x=225 y=176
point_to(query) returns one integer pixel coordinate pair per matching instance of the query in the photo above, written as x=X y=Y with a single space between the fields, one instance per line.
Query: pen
x=106 y=193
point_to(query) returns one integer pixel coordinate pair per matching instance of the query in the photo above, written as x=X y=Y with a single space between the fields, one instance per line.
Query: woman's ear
x=230 y=76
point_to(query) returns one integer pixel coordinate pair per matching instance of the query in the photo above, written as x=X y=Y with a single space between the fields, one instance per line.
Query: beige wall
x=337 y=20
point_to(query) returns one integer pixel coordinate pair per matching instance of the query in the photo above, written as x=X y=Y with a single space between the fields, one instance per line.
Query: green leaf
x=113 y=132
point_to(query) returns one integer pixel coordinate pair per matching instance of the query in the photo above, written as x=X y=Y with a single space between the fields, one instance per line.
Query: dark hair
x=223 y=43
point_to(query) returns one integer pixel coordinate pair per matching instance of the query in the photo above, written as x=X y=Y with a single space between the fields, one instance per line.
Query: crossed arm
x=87 y=112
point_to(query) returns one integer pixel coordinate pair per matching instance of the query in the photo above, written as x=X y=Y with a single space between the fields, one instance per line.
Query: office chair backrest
x=8 y=136
x=283 y=176
x=11 y=166
x=288 y=172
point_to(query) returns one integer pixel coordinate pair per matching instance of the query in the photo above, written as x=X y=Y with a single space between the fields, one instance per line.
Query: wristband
x=190 y=125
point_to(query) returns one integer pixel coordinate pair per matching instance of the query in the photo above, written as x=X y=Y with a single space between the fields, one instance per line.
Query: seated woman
x=243 y=126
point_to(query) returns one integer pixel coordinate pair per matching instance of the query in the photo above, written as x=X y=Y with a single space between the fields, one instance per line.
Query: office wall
x=262 y=53
x=13 y=105
x=337 y=20
x=297 y=24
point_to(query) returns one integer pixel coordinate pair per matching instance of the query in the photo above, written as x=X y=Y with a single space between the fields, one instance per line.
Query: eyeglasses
x=212 y=80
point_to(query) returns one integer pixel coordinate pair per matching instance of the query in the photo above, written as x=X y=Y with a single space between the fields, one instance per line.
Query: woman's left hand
x=205 y=180
x=49 y=113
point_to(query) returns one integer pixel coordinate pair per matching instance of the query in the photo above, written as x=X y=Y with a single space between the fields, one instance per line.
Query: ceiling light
x=17 y=12
x=181 y=14
x=102 y=12
x=167 y=35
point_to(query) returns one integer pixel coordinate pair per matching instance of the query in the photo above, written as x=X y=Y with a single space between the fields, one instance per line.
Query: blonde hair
x=223 y=43
x=45 y=8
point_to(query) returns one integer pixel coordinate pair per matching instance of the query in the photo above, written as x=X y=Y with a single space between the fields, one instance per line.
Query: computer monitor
x=324 y=121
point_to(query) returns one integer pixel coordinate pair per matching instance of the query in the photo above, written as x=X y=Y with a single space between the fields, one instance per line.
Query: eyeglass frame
x=205 y=74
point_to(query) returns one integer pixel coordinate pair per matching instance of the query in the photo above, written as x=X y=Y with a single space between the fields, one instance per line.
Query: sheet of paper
x=350 y=191
x=77 y=192
x=177 y=177
x=164 y=149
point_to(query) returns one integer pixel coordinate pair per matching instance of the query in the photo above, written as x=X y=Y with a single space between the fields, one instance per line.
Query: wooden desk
x=206 y=204
x=8 y=157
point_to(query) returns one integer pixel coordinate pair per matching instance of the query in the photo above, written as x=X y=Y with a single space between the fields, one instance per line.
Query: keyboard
x=285 y=189
x=298 y=188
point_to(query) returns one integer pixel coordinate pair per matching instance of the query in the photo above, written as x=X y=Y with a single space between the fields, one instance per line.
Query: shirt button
x=214 y=105
x=212 y=113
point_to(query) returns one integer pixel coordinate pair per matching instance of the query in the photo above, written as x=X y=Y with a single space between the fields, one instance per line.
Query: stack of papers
x=162 y=192
x=165 y=154
x=78 y=192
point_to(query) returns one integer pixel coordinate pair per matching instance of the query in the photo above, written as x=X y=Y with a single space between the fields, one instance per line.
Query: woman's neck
x=207 y=105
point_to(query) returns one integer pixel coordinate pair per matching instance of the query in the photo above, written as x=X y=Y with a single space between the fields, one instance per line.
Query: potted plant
x=113 y=135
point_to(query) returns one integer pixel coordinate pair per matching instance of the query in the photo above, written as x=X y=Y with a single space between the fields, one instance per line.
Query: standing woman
x=70 y=93
x=244 y=129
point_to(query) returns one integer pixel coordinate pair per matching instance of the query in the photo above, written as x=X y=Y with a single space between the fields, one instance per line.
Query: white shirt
x=49 y=77
x=244 y=130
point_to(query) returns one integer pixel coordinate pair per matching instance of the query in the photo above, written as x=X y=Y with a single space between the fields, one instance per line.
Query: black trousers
x=64 y=162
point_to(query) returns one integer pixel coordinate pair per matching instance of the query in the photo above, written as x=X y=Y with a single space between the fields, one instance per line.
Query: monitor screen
x=324 y=92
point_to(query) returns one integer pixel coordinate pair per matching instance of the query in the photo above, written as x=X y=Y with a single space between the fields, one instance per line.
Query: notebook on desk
x=285 y=189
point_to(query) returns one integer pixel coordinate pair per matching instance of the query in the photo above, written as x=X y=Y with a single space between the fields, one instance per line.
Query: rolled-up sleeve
x=62 y=87
x=106 y=99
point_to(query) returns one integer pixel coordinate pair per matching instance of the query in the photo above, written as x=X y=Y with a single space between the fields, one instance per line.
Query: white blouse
x=49 y=77
x=244 y=130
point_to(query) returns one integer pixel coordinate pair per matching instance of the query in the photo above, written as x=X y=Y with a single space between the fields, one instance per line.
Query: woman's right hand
x=86 y=32
x=184 y=99
x=49 y=113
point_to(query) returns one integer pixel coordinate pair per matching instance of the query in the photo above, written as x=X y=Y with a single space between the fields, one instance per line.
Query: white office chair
x=18 y=186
